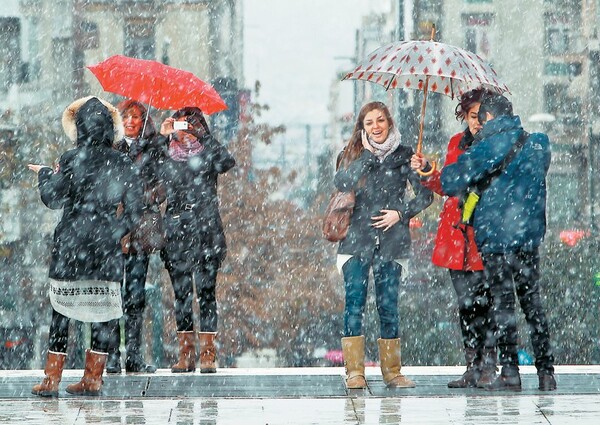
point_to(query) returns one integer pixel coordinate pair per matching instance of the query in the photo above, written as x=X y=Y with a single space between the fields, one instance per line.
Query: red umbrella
x=157 y=84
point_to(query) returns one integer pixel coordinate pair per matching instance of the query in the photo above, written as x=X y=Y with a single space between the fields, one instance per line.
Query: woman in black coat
x=376 y=166
x=138 y=145
x=91 y=183
x=195 y=248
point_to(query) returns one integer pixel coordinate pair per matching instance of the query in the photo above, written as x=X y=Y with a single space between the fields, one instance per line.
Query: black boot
x=546 y=381
x=487 y=367
x=509 y=380
x=471 y=375
x=134 y=361
x=113 y=362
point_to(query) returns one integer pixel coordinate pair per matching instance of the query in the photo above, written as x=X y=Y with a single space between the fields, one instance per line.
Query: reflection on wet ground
x=262 y=396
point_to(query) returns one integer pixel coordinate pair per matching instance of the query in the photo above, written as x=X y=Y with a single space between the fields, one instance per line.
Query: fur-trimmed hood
x=71 y=124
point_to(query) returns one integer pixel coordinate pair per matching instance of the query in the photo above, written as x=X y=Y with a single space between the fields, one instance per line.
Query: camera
x=180 y=125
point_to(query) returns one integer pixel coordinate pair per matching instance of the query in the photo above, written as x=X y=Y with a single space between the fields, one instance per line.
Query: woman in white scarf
x=376 y=166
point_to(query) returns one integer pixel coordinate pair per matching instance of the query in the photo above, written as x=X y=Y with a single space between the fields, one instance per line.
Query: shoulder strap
x=485 y=183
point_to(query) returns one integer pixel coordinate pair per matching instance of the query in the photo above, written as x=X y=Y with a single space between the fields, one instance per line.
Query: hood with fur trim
x=91 y=120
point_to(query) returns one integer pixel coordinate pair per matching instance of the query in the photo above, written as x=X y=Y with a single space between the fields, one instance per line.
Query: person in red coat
x=455 y=250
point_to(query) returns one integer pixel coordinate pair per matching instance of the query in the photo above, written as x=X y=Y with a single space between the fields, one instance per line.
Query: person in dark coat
x=376 y=166
x=510 y=223
x=195 y=248
x=455 y=249
x=137 y=144
x=91 y=183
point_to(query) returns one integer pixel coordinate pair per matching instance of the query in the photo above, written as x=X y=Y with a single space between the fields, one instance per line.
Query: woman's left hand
x=36 y=168
x=386 y=220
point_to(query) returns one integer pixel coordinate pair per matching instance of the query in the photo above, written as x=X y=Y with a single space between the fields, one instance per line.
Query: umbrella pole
x=421 y=125
x=146 y=119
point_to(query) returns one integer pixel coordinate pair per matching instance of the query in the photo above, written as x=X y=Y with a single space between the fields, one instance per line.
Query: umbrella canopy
x=157 y=84
x=427 y=66
x=447 y=69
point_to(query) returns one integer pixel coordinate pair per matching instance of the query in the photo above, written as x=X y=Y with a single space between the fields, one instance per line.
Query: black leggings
x=475 y=309
x=205 y=277
x=59 y=334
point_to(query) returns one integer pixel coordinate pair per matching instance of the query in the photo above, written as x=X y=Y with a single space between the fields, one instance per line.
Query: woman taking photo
x=456 y=251
x=376 y=166
x=195 y=247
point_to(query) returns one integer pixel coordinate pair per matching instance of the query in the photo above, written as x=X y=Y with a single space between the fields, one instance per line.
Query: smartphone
x=180 y=125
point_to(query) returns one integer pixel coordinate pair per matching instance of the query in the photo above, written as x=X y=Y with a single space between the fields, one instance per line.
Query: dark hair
x=354 y=147
x=148 y=128
x=467 y=100
x=496 y=104
x=194 y=116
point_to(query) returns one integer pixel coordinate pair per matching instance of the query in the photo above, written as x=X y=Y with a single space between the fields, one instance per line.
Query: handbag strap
x=514 y=150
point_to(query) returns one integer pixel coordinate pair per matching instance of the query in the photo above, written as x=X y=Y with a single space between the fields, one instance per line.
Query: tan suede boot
x=353 y=348
x=208 y=352
x=389 y=357
x=91 y=383
x=187 y=353
x=55 y=363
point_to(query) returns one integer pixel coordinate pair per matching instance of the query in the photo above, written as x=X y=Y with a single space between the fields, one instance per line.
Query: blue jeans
x=386 y=275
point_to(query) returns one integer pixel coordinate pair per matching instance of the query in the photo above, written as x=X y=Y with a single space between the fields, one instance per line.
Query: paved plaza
x=301 y=396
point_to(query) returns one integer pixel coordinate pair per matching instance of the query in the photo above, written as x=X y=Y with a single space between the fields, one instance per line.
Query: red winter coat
x=451 y=251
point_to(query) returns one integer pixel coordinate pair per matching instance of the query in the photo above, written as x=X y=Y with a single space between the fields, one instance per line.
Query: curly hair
x=467 y=100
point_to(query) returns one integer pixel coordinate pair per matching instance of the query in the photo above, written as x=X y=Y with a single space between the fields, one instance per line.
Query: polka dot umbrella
x=427 y=66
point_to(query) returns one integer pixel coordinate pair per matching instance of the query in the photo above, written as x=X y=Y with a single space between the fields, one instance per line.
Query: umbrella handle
x=433 y=165
x=421 y=125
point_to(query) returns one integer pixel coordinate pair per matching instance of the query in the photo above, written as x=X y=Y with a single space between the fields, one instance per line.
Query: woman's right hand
x=166 y=127
x=418 y=162
x=365 y=141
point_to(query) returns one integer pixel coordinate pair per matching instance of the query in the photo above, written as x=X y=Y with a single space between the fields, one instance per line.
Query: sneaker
x=546 y=381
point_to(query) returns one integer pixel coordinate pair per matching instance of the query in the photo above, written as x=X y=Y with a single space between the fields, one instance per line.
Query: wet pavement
x=301 y=396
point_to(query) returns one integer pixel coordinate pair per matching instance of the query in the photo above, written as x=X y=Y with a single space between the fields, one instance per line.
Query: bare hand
x=386 y=220
x=166 y=127
x=365 y=141
x=36 y=168
x=418 y=162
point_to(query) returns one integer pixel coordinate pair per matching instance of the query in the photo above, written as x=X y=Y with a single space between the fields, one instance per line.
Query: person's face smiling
x=132 y=121
x=377 y=126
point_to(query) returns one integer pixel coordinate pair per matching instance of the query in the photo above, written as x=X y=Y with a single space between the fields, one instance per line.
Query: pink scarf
x=181 y=151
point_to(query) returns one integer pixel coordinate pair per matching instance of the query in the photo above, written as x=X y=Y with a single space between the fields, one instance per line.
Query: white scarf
x=382 y=150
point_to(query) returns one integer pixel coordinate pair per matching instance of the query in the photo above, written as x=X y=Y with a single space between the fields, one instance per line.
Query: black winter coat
x=378 y=186
x=92 y=180
x=193 y=223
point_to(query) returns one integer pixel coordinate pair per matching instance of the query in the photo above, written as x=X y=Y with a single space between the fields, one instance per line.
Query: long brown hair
x=354 y=147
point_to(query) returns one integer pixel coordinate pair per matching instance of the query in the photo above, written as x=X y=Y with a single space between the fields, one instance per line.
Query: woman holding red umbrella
x=138 y=145
x=455 y=250
x=195 y=248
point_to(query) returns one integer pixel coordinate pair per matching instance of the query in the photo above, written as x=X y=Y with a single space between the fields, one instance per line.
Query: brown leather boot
x=353 y=348
x=55 y=363
x=91 y=383
x=470 y=378
x=389 y=358
x=187 y=353
x=208 y=352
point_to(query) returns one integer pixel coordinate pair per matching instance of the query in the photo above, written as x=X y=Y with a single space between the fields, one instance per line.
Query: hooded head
x=195 y=117
x=92 y=121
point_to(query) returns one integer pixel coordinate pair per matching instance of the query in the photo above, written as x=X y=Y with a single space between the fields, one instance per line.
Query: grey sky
x=291 y=46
